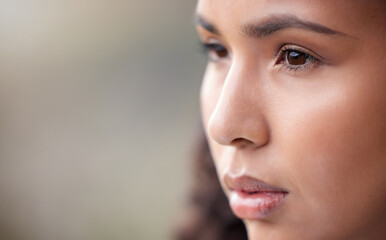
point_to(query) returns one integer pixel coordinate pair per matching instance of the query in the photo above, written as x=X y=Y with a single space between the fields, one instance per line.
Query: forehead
x=355 y=17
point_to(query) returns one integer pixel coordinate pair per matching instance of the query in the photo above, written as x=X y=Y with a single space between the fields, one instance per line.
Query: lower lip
x=257 y=205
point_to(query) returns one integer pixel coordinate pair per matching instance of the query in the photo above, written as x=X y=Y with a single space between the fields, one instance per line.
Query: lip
x=251 y=198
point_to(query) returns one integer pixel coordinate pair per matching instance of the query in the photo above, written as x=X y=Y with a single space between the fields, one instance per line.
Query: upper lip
x=250 y=185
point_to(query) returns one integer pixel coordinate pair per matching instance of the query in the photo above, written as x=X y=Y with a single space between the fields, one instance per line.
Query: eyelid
x=295 y=47
x=209 y=46
x=314 y=60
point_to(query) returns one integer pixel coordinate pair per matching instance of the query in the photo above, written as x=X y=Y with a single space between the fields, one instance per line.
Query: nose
x=238 y=119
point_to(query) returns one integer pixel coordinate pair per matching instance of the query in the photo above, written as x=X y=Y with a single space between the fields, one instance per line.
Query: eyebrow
x=270 y=25
x=201 y=21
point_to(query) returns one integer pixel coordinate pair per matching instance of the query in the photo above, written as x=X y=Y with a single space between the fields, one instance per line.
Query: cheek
x=334 y=146
x=330 y=147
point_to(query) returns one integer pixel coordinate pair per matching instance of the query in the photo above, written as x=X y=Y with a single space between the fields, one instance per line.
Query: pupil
x=221 y=52
x=296 y=58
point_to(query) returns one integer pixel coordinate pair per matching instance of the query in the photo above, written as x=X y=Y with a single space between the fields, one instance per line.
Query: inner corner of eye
x=280 y=58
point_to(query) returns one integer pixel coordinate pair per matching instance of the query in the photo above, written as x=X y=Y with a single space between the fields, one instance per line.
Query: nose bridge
x=238 y=118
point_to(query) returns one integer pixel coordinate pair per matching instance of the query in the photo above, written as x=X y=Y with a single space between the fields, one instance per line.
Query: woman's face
x=294 y=107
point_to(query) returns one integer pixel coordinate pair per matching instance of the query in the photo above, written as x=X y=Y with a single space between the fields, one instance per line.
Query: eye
x=296 y=58
x=215 y=51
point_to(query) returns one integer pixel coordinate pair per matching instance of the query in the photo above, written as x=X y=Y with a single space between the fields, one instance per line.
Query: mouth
x=251 y=198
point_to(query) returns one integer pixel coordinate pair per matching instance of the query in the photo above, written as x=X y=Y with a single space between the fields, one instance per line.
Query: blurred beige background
x=98 y=109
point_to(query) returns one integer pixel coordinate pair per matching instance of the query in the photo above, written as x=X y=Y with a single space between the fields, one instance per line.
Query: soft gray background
x=98 y=109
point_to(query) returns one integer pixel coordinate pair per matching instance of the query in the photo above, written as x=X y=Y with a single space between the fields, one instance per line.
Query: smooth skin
x=300 y=108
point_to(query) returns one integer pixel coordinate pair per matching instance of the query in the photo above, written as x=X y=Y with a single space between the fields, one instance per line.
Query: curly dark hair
x=208 y=215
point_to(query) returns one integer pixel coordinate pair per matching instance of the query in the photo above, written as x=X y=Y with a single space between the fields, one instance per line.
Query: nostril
x=241 y=142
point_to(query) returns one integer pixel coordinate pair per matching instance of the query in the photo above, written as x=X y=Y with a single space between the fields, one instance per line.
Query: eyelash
x=216 y=52
x=282 y=58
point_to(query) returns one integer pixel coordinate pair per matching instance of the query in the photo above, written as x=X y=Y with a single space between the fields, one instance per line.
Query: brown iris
x=221 y=51
x=296 y=58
